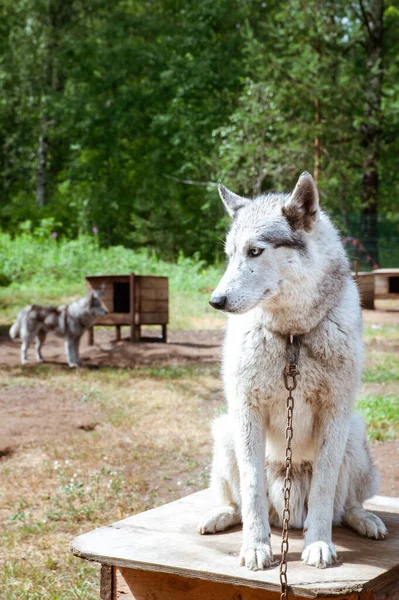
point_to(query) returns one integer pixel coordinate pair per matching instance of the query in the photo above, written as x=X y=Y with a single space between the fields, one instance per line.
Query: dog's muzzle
x=218 y=302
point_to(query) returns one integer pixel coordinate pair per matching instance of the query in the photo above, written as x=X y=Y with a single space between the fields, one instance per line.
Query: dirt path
x=29 y=415
x=183 y=347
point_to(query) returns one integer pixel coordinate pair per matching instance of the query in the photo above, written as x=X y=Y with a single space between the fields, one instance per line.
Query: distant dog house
x=386 y=284
x=380 y=284
x=132 y=300
x=365 y=284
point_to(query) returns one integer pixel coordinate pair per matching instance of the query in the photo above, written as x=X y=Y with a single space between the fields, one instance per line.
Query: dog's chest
x=254 y=362
x=254 y=373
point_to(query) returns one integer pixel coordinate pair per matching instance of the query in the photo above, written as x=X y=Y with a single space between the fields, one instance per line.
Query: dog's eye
x=255 y=252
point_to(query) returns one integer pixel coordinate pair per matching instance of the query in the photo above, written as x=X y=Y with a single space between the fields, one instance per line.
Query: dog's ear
x=91 y=296
x=231 y=201
x=302 y=208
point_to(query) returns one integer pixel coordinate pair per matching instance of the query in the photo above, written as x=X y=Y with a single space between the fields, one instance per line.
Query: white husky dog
x=288 y=275
x=69 y=322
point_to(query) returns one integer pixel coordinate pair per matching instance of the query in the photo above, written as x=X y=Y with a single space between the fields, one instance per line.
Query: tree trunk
x=41 y=180
x=371 y=129
x=317 y=143
x=58 y=17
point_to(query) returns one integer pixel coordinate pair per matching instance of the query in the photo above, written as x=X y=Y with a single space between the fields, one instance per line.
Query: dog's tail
x=16 y=327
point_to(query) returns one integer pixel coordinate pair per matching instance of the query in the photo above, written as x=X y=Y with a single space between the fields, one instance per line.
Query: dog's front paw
x=256 y=556
x=218 y=519
x=319 y=554
x=366 y=523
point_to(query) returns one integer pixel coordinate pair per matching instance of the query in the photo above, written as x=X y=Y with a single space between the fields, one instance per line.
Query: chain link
x=290 y=374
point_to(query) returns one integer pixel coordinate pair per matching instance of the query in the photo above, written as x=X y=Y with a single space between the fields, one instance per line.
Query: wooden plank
x=98 y=279
x=134 y=290
x=160 y=318
x=108 y=294
x=152 y=282
x=107 y=583
x=165 y=540
x=114 y=319
x=146 y=306
x=386 y=296
x=389 y=591
x=381 y=284
x=389 y=271
x=132 y=584
x=153 y=294
x=365 y=283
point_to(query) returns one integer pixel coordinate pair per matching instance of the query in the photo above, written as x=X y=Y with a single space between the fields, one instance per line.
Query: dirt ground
x=28 y=415
x=183 y=347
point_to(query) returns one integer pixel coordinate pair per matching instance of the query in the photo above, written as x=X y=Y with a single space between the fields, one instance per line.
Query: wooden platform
x=158 y=555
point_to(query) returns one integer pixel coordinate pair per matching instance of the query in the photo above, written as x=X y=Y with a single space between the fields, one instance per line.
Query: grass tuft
x=381 y=413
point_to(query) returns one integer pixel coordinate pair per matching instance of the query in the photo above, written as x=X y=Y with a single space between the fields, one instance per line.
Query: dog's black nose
x=218 y=302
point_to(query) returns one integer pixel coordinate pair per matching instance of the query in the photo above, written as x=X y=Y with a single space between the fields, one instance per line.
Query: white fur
x=299 y=284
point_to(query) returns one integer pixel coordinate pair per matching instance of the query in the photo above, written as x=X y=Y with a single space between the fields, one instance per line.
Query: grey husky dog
x=69 y=322
x=288 y=275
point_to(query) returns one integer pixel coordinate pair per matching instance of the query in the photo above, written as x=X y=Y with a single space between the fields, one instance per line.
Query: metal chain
x=290 y=374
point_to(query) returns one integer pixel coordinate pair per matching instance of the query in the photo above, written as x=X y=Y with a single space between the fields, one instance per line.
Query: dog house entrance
x=394 y=285
x=121 y=297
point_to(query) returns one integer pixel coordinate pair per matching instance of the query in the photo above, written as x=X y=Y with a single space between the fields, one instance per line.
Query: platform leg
x=118 y=333
x=135 y=333
x=164 y=333
x=107 y=583
x=90 y=333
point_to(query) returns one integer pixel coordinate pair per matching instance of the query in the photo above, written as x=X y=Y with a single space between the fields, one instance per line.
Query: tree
x=372 y=19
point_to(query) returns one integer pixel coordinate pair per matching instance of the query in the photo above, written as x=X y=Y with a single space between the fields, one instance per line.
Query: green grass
x=172 y=372
x=385 y=369
x=388 y=332
x=378 y=400
x=381 y=413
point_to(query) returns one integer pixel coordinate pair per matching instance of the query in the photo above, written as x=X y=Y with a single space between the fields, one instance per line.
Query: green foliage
x=122 y=116
x=37 y=260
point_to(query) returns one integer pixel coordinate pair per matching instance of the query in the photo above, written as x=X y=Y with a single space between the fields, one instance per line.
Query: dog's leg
x=41 y=336
x=256 y=552
x=361 y=477
x=76 y=351
x=69 y=351
x=225 y=483
x=332 y=435
x=26 y=341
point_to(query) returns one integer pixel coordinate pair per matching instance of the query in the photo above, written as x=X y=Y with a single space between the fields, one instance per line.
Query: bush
x=43 y=259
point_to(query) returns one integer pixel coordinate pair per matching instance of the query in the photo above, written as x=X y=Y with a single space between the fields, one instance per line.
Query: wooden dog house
x=380 y=284
x=132 y=300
